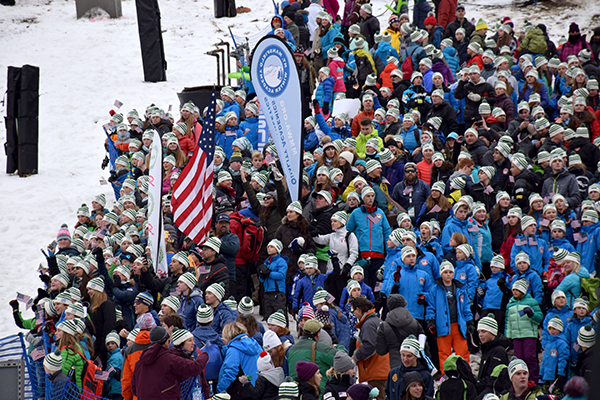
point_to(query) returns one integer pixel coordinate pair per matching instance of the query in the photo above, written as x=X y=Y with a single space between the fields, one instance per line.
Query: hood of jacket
x=500 y=340
x=274 y=375
x=399 y=317
x=143 y=337
x=152 y=353
x=245 y=344
x=529 y=176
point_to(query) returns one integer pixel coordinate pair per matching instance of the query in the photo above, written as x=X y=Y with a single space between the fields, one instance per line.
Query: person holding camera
x=272 y=275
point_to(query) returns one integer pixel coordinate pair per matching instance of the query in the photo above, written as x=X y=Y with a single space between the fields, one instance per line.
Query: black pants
x=432 y=341
x=371 y=271
x=275 y=301
x=243 y=281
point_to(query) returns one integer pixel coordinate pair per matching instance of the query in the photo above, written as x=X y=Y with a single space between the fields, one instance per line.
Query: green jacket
x=534 y=41
x=521 y=326
x=361 y=143
x=530 y=394
x=479 y=38
x=71 y=358
x=302 y=350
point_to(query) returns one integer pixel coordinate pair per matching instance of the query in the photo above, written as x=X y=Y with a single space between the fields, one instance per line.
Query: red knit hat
x=431 y=21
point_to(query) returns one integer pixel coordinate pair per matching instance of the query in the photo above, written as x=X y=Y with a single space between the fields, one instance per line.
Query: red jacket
x=477 y=59
x=355 y=128
x=159 y=372
x=446 y=12
x=424 y=171
x=386 y=80
x=187 y=145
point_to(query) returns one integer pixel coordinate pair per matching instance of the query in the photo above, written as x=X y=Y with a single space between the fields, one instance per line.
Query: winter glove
x=528 y=311
x=474 y=97
x=14 y=304
x=470 y=328
x=295 y=311
x=326 y=108
x=397 y=275
x=116 y=280
x=316 y=106
x=502 y=285
x=105 y=162
x=560 y=382
x=18 y=320
x=380 y=272
x=480 y=292
x=431 y=327
x=263 y=271
x=346 y=269
x=276 y=174
x=421 y=299
x=45 y=278
x=97 y=250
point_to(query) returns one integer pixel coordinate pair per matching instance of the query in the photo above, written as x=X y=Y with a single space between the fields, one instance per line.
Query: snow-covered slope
x=86 y=65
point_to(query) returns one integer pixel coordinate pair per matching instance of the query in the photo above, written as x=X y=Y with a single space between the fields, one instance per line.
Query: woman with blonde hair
x=240 y=352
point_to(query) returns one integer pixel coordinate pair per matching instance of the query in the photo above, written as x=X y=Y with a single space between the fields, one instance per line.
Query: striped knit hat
x=590 y=216
x=277 y=319
x=118 y=313
x=579 y=302
x=522 y=257
x=356 y=269
x=182 y=257
x=97 y=284
x=521 y=285
x=558 y=224
x=488 y=324
x=396 y=237
x=467 y=249
x=189 y=279
x=560 y=255
x=412 y=345
x=133 y=334
x=213 y=243
x=53 y=361
x=231 y=303
x=276 y=243
x=351 y=285
x=289 y=388
x=307 y=311
x=63 y=298
x=204 y=314
x=295 y=206
x=320 y=297
x=114 y=337
x=586 y=336
x=515 y=212
x=497 y=261
x=172 y=302
x=310 y=261
x=68 y=326
x=123 y=270
x=446 y=266
x=574 y=257
x=515 y=366
x=76 y=309
x=502 y=194
x=179 y=336
x=217 y=289
x=526 y=221
x=145 y=298
x=406 y=251
x=245 y=306
x=221 y=396
x=340 y=216
x=556 y=323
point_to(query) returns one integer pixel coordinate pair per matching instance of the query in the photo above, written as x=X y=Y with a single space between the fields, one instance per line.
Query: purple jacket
x=348 y=10
x=445 y=71
x=332 y=7
x=573 y=48
x=394 y=174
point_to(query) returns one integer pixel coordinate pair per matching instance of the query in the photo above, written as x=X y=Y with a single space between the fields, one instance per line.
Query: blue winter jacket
x=189 y=307
x=571 y=331
x=252 y=124
x=410 y=136
x=564 y=314
x=434 y=244
x=416 y=52
x=467 y=273
x=204 y=334
x=333 y=132
x=451 y=59
x=311 y=141
x=427 y=82
x=414 y=282
x=567 y=217
x=535 y=288
x=429 y=264
x=385 y=50
x=420 y=11
x=276 y=280
x=589 y=247
x=365 y=290
x=481 y=239
x=561 y=244
x=392 y=260
x=115 y=360
x=327 y=41
x=222 y=315
x=543 y=94
x=539 y=253
x=371 y=230
x=556 y=357
x=232 y=106
x=492 y=299
x=242 y=352
x=225 y=140
x=324 y=92
x=341 y=325
x=571 y=285
x=124 y=296
x=453 y=225
x=394 y=174
x=438 y=311
x=306 y=288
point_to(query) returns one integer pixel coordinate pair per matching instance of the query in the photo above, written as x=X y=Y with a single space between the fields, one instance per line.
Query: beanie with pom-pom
x=63 y=233
x=264 y=362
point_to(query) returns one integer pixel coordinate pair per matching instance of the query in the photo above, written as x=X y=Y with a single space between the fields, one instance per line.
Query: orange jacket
x=131 y=356
x=446 y=12
x=355 y=128
x=375 y=367
x=424 y=171
x=386 y=80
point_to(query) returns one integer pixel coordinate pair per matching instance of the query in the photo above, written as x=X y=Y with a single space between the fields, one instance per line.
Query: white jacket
x=336 y=241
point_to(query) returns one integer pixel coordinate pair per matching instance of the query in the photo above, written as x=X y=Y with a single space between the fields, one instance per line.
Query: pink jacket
x=573 y=48
x=336 y=70
x=332 y=7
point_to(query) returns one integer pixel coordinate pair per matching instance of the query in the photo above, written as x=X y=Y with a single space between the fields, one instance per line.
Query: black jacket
x=497 y=230
x=481 y=88
x=494 y=353
x=336 y=385
x=445 y=111
x=501 y=181
x=397 y=320
x=368 y=28
x=104 y=320
x=590 y=154
x=306 y=392
x=218 y=273
x=525 y=183
x=478 y=191
x=477 y=150
x=320 y=224
x=156 y=285
x=454 y=25
x=286 y=233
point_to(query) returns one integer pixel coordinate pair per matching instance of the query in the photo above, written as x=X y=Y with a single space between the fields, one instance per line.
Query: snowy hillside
x=87 y=64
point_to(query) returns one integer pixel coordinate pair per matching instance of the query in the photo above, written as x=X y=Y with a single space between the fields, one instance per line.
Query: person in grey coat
x=398 y=325
x=561 y=181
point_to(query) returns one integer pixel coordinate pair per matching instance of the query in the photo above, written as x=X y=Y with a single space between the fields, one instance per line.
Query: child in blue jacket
x=272 y=275
x=115 y=360
x=249 y=127
x=312 y=280
x=490 y=296
x=559 y=309
x=524 y=271
x=324 y=92
x=580 y=318
x=337 y=319
x=358 y=273
x=190 y=300
x=558 y=236
x=529 y=242
x=466 y=271
x=556 y=356
x=587 y=246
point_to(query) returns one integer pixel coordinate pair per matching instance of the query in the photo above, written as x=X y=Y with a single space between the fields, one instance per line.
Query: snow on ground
x=87 y=64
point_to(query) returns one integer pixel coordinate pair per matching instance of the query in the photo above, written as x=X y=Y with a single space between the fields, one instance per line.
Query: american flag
x=192 y=192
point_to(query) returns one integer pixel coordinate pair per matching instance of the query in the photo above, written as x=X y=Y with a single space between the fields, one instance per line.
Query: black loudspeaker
x=225 y=8
x=153 y=52
x=22 y=110
x=200 y=95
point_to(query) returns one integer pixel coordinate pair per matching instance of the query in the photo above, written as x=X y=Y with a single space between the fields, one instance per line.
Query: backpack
x=589 y=288
x=90 y=384
x=407 y=65
x=253 y=236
